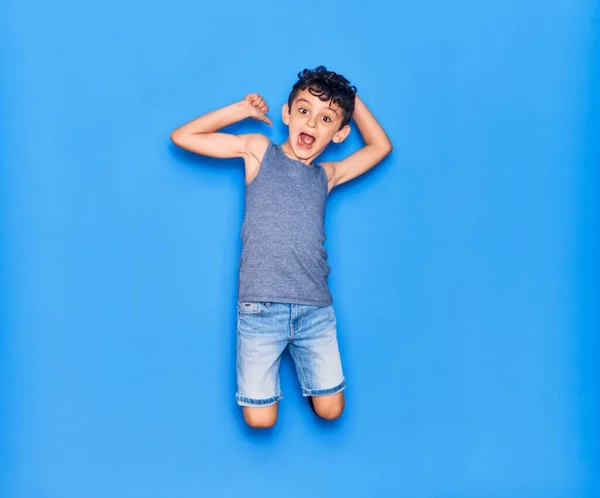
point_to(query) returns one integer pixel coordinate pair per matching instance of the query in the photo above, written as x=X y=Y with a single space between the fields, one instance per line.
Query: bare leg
x=329 y=407
x=261 y=417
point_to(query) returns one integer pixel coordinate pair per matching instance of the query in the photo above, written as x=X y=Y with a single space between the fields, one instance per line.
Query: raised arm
x=202 y=137
x=377 y=146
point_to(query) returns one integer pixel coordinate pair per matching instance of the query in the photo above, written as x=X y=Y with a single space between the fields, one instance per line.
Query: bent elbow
x=175 y=137
x=385 y=149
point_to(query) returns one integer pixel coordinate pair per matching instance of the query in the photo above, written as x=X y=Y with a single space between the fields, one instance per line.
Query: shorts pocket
x=251 y=308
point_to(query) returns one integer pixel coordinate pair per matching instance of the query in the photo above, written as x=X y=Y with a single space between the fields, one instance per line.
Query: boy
x=283 y=295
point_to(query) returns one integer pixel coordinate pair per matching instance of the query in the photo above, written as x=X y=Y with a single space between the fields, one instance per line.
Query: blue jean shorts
x=265 y=330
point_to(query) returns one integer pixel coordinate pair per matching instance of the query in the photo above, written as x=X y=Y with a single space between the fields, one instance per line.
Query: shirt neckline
x=311 y=165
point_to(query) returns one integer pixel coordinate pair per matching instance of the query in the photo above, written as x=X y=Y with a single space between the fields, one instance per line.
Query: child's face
x=313 y=124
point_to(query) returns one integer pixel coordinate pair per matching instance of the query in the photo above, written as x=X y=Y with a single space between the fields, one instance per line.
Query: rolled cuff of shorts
x=243 y=401
x=324 y=392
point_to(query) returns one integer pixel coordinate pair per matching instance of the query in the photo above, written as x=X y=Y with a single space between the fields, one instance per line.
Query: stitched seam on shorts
x=259 y=402
x=334 y=390
x=295 y=353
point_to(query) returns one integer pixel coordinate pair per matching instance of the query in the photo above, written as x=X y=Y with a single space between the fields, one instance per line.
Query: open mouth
x=306 y=141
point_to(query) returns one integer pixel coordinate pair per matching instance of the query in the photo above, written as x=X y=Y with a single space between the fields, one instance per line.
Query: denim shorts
x=265 y=330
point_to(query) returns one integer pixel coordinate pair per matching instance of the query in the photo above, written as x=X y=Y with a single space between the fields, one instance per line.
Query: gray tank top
x=283 y=258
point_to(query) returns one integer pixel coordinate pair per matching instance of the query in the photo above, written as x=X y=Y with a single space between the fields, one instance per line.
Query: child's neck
x=289 y=152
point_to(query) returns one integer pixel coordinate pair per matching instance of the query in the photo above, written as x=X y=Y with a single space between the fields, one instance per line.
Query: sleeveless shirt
x=283 y=257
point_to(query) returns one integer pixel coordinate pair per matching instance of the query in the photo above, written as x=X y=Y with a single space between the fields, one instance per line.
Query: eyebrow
x=308 y=102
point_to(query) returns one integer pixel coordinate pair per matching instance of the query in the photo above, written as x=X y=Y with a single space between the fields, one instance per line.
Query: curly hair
x=326 y=85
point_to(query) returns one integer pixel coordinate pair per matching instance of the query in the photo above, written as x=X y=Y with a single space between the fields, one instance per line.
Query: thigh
x=316 y=354
x=261 y=339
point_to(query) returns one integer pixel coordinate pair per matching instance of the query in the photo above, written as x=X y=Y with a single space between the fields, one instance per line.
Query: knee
x=260 y=418
x=329 y=408
x=330 y=413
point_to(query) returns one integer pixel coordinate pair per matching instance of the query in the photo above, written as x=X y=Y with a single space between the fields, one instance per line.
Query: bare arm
x=202 y=137
x=377 y=146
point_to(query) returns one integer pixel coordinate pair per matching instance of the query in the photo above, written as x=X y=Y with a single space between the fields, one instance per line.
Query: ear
x=341 y=135
x=285 y=114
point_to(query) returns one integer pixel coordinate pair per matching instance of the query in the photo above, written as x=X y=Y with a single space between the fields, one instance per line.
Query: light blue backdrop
x=464 y=267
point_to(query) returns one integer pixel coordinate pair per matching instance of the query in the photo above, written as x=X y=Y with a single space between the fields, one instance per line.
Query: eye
x=302 y=110
x=326 y=119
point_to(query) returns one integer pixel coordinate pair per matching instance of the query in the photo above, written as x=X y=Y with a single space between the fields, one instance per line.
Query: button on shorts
x=265 y=330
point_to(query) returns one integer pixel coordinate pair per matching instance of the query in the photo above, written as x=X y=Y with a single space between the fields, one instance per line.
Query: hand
x=257 y=107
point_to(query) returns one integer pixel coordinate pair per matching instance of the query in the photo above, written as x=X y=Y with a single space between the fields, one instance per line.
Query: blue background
x=464 y=267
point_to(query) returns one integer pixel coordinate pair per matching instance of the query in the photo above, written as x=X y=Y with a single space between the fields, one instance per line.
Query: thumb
x=266 y=120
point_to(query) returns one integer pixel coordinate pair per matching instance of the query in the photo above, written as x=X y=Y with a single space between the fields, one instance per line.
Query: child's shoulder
x=256 y=145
